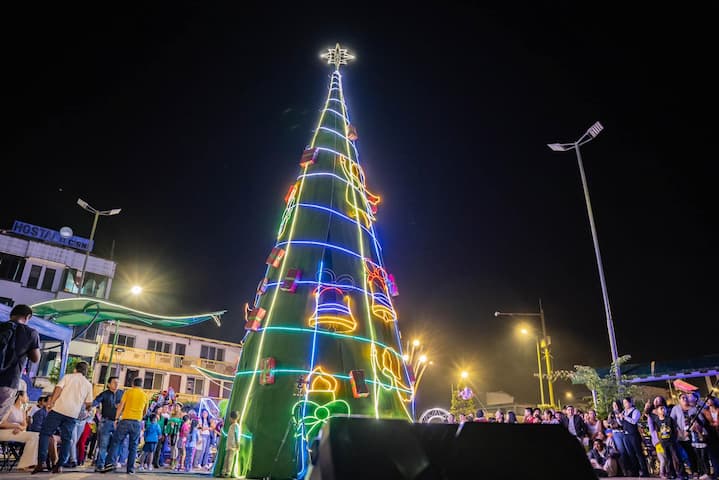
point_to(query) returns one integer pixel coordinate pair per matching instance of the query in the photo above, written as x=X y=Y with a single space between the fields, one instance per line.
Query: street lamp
x=136 y=290
x=590 y=134
x=545 y=343
x=97 y=213
x=464 y=375
x=525 y=331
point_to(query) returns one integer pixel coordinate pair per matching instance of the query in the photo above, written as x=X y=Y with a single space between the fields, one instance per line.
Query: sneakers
x=150 y=468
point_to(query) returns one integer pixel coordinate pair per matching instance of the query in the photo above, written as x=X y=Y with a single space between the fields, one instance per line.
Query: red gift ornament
x=352 y=133
x=359 y=385
x=275 y=257
x=267 y=375
x=308 y=157
x=289 y=284
x=254 y=317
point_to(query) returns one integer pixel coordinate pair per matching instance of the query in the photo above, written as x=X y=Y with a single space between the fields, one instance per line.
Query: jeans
x=189 y=454
x=633 y=445
x=52 y=422
x=104 y=434
x=624 y=465
x=130 y=429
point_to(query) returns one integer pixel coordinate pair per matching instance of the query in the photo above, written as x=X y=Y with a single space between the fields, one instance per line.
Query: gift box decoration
x=308 y=157
x=267 y=375
x=289 y=284
x=359 y=385
x=275 y=257
x=352 y=133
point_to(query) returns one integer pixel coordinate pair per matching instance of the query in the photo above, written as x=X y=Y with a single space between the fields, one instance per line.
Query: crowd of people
x=679 y=441
x=71 y=428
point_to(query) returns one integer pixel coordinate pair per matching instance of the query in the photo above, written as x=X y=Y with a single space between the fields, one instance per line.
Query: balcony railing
x=138 y=357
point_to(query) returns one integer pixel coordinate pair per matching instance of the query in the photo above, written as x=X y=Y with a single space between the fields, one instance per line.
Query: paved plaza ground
x=89 y=474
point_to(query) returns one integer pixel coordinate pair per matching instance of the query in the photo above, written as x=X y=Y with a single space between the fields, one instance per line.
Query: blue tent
x=48 y=331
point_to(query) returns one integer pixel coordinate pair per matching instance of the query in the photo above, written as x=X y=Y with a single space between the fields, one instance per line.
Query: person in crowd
x=630 y=417
x=72 y=394
x=214 y=432
x=163 y=442
x=649 y=411
x=537 y=414
x=666 y=430
x=614 y=423
x=173 y=431
x=479 y=417
x=190 y=445
x=710 y=416
x=18 y=342
x=574 y=423
x=528 y=415
x=182 y=441
x=13 y=428
x=499 y=416
x=38 y=418
x=548 y=417
x=204 y=426
x=592 y=422
x=84 y=437
x=232 y=446
x=129 y=423
x=511 y=417
x=107 y=401
x=603 y=459
x=682 y=415
x=152 y=436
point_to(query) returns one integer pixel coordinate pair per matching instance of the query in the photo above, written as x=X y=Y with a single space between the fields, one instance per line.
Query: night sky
x=192 y=120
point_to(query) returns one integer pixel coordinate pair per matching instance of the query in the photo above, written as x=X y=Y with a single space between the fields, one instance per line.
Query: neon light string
x=331 y=211
x=333 y=315
x=297 y=371
x=323 y=244
x=378 y=252
x=331 y=334
x=336 y=113
x=342 y=286
x=303 y=446
x=270 y=311
x=364 y=267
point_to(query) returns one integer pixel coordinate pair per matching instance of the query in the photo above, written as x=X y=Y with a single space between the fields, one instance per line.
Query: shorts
x=149 y=447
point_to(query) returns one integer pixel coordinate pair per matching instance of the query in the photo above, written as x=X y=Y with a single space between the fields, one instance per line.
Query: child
x=152 y=436
x=182 y=441
x=232 y=445
x=667 y=432
x=192 y=438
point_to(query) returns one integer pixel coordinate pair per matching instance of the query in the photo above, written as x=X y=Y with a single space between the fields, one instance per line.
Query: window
x=195 y=386
x=180 y=349
x=11 y=267
x=48 y=279
x=124 y=340
x=153 y=381
x=103 y=371
x=226 y=389
x=130 y=376
x=158 y=346
x=89 y=334
x=94 y=285
x=34 y=276
x=212 y=353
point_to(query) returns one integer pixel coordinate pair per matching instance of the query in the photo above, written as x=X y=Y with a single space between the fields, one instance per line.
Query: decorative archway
x=434 y=415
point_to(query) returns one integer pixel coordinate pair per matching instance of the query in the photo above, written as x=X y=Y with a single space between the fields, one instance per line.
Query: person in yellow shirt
x=128 y=422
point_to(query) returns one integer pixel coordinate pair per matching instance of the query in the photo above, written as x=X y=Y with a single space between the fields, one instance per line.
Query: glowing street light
x=416 y=343
x=588 y=136
x=464 y=375
x=136 y=290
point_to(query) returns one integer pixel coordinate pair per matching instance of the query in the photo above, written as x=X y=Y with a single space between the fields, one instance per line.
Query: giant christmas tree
x=322 y=337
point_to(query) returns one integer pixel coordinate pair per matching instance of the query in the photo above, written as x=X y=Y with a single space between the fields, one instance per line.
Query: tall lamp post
x=588 y=136
x=97 y=213
x=525 y=331
x=545 y=342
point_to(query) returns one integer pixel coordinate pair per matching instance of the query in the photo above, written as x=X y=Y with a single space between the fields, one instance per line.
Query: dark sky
x=192 y=118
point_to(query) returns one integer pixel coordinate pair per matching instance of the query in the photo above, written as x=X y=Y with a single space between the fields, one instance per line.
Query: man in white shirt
x=72 y=393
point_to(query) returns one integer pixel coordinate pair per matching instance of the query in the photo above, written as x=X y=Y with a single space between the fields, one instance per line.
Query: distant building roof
x=707 y=365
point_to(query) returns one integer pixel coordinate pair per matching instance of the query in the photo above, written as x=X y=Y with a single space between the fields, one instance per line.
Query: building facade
x=163 y=359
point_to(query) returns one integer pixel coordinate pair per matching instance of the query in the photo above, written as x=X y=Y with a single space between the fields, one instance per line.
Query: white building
x=37 y=264
x=33 y=271
x=163 y=359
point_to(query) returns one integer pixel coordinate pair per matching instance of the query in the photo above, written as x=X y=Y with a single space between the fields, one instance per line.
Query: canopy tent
x=84 y=311
x=48 y=331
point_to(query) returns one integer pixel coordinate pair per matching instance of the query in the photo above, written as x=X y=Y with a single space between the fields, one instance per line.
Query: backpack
x=7 y=344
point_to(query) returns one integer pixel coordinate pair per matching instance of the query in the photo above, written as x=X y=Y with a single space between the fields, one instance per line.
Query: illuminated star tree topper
x=337 y=56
